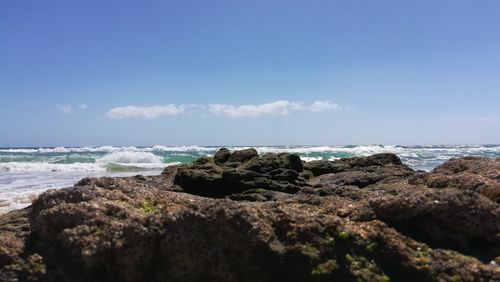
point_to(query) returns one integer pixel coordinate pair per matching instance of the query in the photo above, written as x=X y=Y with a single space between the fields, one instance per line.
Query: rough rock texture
x=242 y=171
x=478 y=174
x=241 y=217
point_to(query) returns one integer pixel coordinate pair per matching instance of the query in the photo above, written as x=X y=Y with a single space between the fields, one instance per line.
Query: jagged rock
x=274 y=172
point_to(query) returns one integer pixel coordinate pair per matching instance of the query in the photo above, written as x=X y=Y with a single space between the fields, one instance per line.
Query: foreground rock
x=241 y=217
x=478 y=174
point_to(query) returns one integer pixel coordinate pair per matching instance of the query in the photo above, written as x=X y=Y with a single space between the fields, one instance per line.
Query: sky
x=260 y=72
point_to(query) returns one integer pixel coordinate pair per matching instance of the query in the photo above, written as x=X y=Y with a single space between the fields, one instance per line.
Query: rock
x=273 y=172
x=18 y=262
x=205 y=180
x=356 y=178
x=446 y=219
x=15 y=222
x=222 y=155
x=242 y=156
x=386 y=160
x=263 y=219
x=362 y=176
x=295 y=163
x=324 y=167
x=270 y=162
x=259 y=195
x=470 y=173
x=180 y=237
x=284 y=174
x=383 y=159
x=203 y=160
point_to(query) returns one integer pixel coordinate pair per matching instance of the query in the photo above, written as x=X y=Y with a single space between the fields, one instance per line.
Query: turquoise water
x=107 y=158
x=25 y=172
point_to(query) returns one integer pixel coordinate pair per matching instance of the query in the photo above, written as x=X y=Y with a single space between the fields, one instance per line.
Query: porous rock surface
x=244 y=217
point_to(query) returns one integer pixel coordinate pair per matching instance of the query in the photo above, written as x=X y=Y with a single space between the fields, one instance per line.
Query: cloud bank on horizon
x=277 y=108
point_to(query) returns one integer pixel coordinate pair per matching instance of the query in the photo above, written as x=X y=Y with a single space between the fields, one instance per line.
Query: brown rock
x=470 y=173
x=272 y=225
x=222 y=155
x=242 y=156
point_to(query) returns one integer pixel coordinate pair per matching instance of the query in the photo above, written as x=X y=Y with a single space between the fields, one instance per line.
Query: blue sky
x=249 y=72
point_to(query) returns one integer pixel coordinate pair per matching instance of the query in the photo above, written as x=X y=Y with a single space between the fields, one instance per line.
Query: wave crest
x=128 y=157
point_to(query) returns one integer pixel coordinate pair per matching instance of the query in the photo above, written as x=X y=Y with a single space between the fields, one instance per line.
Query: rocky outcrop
x=243 y=217
x=243 y=170
x=478 y=174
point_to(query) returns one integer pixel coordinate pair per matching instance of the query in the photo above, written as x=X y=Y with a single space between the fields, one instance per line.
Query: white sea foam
x=50 y=167
x=130 y=157
x=181 y=149
x=358 y=150
x=309 y=159
x=18 y=189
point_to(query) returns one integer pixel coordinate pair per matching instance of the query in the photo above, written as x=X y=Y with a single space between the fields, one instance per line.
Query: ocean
x=26 y=172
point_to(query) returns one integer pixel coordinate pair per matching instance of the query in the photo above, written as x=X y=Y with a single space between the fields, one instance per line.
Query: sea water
x=26 y=172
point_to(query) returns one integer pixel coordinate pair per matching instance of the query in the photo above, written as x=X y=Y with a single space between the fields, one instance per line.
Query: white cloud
x=320 y=106
x=82 y=107
x=150 y=112
x=274 y=108
x=65 y=109
x=277 y=108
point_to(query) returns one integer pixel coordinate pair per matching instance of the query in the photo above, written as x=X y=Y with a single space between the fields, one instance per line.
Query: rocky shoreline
x=239 y=216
